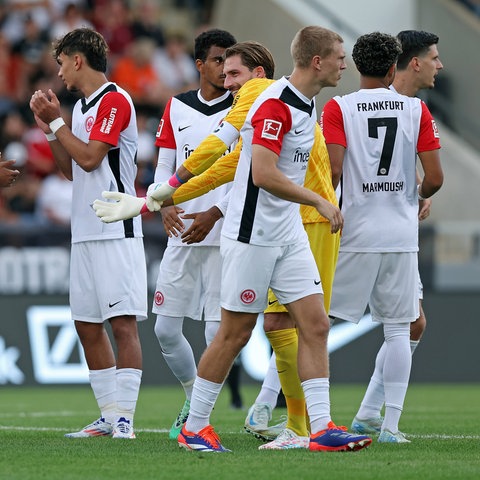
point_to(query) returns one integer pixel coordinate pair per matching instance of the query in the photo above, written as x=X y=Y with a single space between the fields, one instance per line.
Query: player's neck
x=92 y=83
x=210 y=92
x=404 y=85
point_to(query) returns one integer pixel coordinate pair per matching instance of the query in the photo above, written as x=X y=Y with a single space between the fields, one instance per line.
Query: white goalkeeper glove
x=124 y=207
x=159 y=192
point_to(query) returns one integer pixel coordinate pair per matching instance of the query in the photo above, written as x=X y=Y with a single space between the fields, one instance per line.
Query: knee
x=418 y=326
x=165 y=331
x=277 y=321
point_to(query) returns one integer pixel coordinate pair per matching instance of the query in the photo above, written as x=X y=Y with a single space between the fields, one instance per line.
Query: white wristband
x=50 y=137
x=56 y=124
x=418 y=192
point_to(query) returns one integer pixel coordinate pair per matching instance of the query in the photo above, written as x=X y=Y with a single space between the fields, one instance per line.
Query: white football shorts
x=108 y=278
x=188 y=283
x=386 y=282
x=248 y=270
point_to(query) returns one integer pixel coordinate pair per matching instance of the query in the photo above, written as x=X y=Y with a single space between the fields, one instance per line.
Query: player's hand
x=123 y=207
x=424 y=207
x=332 y=213
x=172 y=222
x=159 y=192
x=203 y=222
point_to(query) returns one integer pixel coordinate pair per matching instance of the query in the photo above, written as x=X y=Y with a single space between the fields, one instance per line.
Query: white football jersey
x=283 y=120
x=187 y=120
x=382 y=132
x=108 y=115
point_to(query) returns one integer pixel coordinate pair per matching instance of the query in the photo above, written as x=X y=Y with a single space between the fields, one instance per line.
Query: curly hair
x=214 y=37
x=86 y=41
x=415 y=43
x=374 y=53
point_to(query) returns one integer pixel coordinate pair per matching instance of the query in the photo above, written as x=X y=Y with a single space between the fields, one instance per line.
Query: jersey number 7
x=390 y=123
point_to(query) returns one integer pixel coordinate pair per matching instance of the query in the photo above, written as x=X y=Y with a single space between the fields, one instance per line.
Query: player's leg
x=233 y=334
x=178 y=355
x=246 y=274
x=302 y=295
x=369 y=417
x=313 y=369
x=395 y=305
x=129 y=373
x=126 y=256
x=177 y=295
x=324 y=247
x=102 y=261
x=417 y=328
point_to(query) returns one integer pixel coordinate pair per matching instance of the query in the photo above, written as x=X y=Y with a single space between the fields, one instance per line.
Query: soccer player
x=417 y=67
x=241 y=76
x=373 y=136
x=188 y=282
x=264 y=244
x=108 y=280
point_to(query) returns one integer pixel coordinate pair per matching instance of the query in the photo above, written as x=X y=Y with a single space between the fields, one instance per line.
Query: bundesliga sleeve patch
x=159 y=129
x=435 y=129
x=271 y=129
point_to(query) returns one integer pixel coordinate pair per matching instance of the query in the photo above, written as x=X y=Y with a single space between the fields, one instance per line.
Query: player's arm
x=428 y=146
x=221 y=172
x=424 y=206
x=265 y=173
x=215 y=144
x=334 y=133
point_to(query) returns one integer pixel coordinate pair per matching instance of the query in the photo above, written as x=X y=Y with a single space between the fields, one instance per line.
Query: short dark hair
x=374 y=53
x=414 y=44
x=214 y=37
x=86 y=41
x=253 y=55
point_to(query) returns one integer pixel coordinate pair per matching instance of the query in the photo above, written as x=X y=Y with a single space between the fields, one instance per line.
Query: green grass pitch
x=442 y=421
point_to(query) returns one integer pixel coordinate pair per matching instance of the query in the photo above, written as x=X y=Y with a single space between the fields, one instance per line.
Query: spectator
x=146 y=22
x=175 y=66
x=135 y=73
x=73 y=17
x=54 y=201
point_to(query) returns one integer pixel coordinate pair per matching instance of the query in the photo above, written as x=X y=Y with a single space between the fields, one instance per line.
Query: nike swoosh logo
x=298 y=132
x=113 y=304
x=183 y=128
x=272 y=302
x=317 y=283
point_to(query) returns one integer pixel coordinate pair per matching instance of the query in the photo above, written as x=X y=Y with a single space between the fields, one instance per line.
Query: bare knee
x=418 y=326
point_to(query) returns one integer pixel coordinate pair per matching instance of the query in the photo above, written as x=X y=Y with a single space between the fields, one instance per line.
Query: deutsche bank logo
x=57 y=354
x=256 y=353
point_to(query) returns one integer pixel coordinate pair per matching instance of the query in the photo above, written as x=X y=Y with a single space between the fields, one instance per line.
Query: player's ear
x=259 y=72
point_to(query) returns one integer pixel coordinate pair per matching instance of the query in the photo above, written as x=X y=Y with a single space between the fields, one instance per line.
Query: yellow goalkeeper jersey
x=217 y=171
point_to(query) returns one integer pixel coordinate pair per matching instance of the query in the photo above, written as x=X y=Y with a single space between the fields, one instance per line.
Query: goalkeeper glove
x=124 y=207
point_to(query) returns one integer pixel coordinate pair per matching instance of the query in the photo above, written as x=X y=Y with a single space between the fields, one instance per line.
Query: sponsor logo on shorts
x=316 y=282
x=248 y=296
x=159 y=298
x=271 y=302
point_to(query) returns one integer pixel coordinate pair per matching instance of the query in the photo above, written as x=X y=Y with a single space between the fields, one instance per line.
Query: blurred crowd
x=150 y=56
